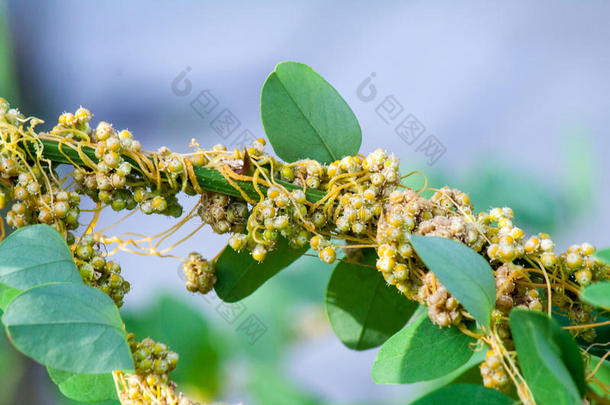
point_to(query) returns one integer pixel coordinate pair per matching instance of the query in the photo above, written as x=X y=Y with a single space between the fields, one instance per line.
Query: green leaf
x=464 y=272
x=597 y=294
x=84 y=387
x=239 y=275
x=465 y=394
x=70 y=327
x=603 y=255
x=305 y=117
x=363 y=309
x=462 y=375
x=549 y=358
x=420 y=352
x=31 y=256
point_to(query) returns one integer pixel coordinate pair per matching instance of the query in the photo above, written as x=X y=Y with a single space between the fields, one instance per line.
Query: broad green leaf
x=239 y=275
x=363 y=309
x=549 y=358
x=84 y=387
x=31 y=256
x=461 y=375
x=603 y=255
x=70 y=327
x=305 y=117
x=421 y=351
x=465 y=394
x=597 y=294
x=464 y=272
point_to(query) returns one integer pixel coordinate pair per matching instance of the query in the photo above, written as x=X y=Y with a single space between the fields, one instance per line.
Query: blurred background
x=507 y=101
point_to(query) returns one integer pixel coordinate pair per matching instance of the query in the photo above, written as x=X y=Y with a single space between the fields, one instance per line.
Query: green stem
x=208 y=179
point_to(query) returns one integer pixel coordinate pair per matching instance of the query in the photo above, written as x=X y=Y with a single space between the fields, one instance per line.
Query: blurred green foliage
x=8 y=82
x=11 y=369
x=269 y=387
x=171 y=321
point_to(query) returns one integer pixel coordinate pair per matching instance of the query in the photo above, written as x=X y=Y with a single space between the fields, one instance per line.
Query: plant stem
x=208 y=179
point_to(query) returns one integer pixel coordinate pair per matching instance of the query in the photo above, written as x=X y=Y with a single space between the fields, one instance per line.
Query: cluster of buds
x=360 y=202
x=223 y=213
x=582 y=314
x=446 y=214
x=397 y=264
x=11 y=116
x=305 y=173
x=37 y=198
x=509 y=294
x=108 y=182
x=493 y=373
x=97 y=272
x=8 y=166
x=281 y=213
x=112 y=182
x=326 y=250
x=541 y=247
x=452 y=227
x=358 y=186
x=74 y=125
x=356 y=210
x=164 y=203
x=507 y=242
x=36 y=202
x=443 y=308
x=137 y=390
x=153 y=361
x=580 y=264
x=171 y=163
x=199 y=273
x=450 y=199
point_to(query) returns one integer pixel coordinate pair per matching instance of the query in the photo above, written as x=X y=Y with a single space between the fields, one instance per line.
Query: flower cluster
x=494 y=375
x=274 y=216
x=223 y=213
x=355 y=188
x=509 y=294
x=137 y=390
x=97 y=272
x=150 y=383
x=199 y=273
x=443 y=308
x=580 y=264
x=38 y=202
x=153 y=361
x=110 y=180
